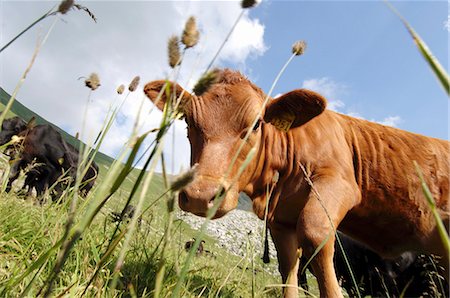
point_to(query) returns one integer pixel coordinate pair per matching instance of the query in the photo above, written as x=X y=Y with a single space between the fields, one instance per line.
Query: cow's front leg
x=14 y=173
x=286 y=243
x=316 y=226
x=322 y=263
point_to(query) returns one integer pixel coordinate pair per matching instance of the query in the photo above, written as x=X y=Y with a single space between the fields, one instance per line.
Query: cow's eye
x=255 y=128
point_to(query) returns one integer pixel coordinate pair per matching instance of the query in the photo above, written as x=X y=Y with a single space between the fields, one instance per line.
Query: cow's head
x=10 y=127
x=218 y=121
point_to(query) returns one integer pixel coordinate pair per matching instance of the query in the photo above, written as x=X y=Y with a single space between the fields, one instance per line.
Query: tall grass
x=88 y=254
x=75 y=249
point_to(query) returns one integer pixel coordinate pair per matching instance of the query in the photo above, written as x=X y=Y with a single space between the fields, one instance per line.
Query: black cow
x=91 y=174
x=409 y=275
x=189 y=244
x=36 y=175
x=127 y=214
x=43 y=146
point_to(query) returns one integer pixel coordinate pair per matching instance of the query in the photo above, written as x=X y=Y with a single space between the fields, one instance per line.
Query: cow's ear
x=31 y=123
x=160 y=92
x=294 y=109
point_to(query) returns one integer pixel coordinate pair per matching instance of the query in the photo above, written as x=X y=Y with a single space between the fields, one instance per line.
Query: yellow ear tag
x=61 y=160
x=283 y=122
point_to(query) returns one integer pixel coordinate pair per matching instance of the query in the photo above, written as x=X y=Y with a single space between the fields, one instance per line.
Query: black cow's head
x=10 y=127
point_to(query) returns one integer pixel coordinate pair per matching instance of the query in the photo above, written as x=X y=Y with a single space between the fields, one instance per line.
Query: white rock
x=238 y=232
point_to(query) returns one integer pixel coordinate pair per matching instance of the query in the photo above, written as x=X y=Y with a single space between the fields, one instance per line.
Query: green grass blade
x=432 y=61
x=49 y=13
x=440 y=225
x=39 y=262
x=105 y=258
x=126 y=170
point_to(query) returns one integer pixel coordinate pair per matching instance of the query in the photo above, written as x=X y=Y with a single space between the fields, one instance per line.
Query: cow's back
x=392 y=200
x=44 y=143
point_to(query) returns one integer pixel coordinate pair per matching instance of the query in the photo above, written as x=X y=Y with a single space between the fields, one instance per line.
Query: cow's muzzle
x=199 y=198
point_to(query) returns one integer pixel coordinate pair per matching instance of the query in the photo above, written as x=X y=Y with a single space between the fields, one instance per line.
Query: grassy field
x=28 y=230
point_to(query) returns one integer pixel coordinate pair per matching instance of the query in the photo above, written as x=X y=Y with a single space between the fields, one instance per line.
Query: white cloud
x=391 y=121
x=354 y=114
x=129 y=39
x=447 y=23
x=245 y=41
x=329 y=89
x=333 y=91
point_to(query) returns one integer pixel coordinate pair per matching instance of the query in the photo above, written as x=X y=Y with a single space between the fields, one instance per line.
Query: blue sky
x=359 y=56
x=366 y=52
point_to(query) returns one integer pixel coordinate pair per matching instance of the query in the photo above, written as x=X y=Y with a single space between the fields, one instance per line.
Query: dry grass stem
x=338 y=239
x=299 y=47
x=190 y=35
x=63 y=8
x=206 y=81
x=39 y=44
x=93 y=82
x=133 y=85
x=174 y=51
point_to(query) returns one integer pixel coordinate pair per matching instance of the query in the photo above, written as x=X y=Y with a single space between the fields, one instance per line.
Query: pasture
x=28 y=230
x=89 y=246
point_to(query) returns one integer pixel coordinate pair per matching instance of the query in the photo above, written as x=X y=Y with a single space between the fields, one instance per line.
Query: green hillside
x=100 y=158
x=26 y=114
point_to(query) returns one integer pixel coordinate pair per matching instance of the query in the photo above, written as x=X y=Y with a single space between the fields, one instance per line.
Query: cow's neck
x=275 y=156
x=281 y=152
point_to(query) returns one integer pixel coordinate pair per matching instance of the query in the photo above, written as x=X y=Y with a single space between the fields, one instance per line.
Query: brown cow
x=362 y=172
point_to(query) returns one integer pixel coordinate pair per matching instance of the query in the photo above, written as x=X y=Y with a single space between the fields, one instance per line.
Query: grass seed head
x=120 y=89
x=85 y=9
x=275 y=177
x=190 y=35
x=184 y=179
x=93 y=81
x=174 y=51
x=206 y=81
x=65 y=6
x=248 y=3
x=299 y=47
x=16 y=139
x=134 y=83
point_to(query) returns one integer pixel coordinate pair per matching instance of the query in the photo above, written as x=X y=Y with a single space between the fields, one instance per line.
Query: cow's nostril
x=183 y=198
x=218 y=195
x=222 y=192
